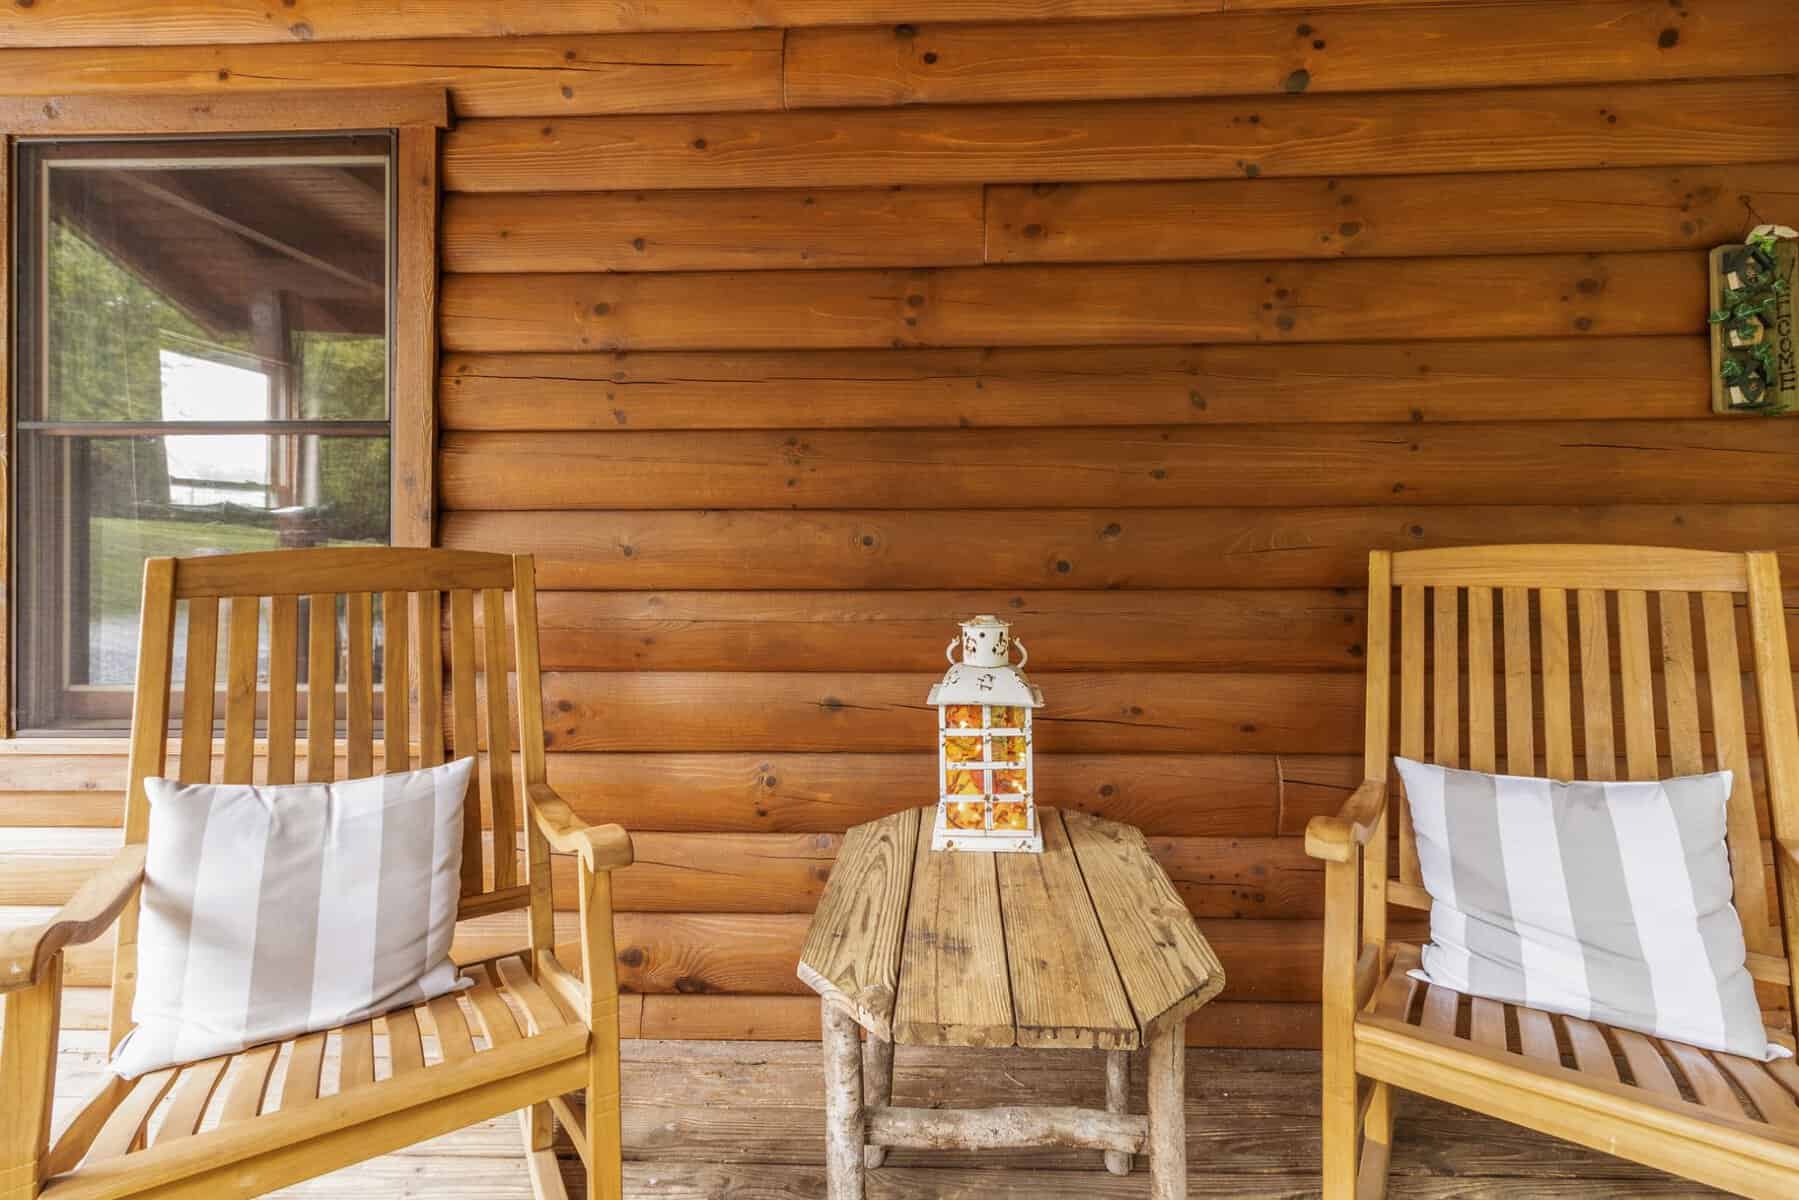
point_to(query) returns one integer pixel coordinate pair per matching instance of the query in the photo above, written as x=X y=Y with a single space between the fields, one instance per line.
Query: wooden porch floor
x=743 y=1121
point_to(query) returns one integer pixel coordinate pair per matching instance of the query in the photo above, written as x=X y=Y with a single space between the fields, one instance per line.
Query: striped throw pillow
x=1608 y=901
x=269 y=912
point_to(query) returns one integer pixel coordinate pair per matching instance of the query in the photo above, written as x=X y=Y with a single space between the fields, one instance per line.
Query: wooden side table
x=1084 y=945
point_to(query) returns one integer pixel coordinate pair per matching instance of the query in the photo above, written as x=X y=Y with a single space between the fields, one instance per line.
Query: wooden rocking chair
x=526 y=1034
x=1540 y=677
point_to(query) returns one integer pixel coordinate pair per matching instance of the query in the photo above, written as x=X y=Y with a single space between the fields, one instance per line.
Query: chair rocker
x=1539 y=673
x=528 y=1033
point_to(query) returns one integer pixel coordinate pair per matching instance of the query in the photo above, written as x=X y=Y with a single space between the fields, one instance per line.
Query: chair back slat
x=284 y=675
x=499 y=741
x=527 y=663
x=1446 y=734
x=369 y=651
x=1411 y=713
x=1730 y=734
x=1482 y=736
x=1520 y=715
x=428 y=683
x=243 y=629
x=197 y=694
x=1680 y=683
x=1636 y=684
x=1558 y=695
x=465 y=724
x=396 y=718
x=359 y=685
x=321 y=688
x=1596 y=684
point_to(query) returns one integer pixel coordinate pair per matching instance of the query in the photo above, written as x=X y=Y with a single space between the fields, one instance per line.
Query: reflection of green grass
x=119 y=546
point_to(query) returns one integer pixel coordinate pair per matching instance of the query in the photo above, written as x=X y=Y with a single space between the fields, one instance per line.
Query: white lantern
x=984 y=772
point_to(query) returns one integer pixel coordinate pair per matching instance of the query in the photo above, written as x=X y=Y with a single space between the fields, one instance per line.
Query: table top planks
x=1166 y=965
x=954 y=989
x=1065 y=987
x=1085 y=945
x=852 y=951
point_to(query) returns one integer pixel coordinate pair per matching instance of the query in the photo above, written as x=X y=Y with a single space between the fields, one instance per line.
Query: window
x=201 y=365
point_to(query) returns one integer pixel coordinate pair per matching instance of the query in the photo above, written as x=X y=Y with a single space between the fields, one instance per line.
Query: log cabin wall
x=785 y=346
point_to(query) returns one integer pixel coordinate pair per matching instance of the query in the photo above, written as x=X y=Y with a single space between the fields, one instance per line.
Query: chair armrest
x=600 y=847
x=1335 y=839
x=24 y=953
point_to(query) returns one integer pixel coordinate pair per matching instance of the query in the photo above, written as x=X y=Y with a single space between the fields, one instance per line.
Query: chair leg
x=540 y=1153
x=28 y=1040
x=1342 y=1140
x=1377 y=1145
x=877 y=1089
x=605 y=1149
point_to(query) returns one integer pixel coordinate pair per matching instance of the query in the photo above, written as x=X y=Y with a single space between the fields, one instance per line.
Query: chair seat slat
x=1592 y=1053
x=1646 y=1063
x=305 y=1068
x=1536 y=1036
x=356 y=1057
x=405 y=1046
x=1704 y=1077
x=188 y=1099
x=1773 y=1101
x=125 y=1128
x=247 y=1083
x=453 y=1039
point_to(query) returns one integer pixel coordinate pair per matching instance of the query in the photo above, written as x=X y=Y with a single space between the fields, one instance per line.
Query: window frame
x=413 y=117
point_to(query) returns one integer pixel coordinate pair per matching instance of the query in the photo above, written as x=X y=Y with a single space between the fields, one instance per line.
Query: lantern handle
x=949 y=651
x=1024 y=655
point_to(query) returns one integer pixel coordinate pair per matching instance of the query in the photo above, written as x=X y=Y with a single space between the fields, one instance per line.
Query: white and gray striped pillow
x=269 y=912
x=1609 y=901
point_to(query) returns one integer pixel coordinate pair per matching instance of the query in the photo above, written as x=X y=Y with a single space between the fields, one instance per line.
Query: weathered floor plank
x=712 y=1120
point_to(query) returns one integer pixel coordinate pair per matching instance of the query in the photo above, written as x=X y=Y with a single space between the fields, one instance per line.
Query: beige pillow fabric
x=269 y=912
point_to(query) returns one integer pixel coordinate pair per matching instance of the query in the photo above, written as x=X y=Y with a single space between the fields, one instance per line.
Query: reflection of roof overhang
x=212 y=242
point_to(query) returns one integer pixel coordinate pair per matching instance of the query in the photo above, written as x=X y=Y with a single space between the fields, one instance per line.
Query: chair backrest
x=321 y=647
x=1590 y=662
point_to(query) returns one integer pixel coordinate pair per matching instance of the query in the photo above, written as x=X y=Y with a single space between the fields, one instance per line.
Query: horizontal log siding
x=787 y=332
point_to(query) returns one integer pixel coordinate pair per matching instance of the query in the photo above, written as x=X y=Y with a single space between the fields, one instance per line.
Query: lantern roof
x=965 y=684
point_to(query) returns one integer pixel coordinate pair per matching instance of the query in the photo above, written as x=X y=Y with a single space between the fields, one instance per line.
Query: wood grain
x=568 y=75
x=691 y=231
x=1149 y=548
x=1147 y=467
x=1537 y=212
x=954 y=989
x=1380 y=49
x=1065 y=988
x=1640 y=378
x=100 y=23
x=1287 y=629
x=1327 y=301
x=868 y=711
x=851 y=955
x=1545 y=128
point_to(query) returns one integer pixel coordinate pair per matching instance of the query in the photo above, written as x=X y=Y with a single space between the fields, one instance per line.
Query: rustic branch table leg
x=1167 y=1113
x=877 y=1088
x=843 y=1105
x=1118 y=1092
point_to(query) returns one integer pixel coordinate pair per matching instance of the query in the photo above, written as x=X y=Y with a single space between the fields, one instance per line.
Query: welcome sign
x=1755 y=367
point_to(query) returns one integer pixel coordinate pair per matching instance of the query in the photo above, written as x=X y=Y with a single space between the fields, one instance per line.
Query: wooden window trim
x=417 y=117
